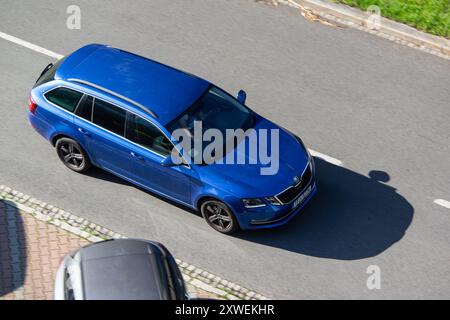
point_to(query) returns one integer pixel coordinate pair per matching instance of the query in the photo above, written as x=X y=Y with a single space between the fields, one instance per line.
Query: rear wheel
x=72 y=155
x=219 y=216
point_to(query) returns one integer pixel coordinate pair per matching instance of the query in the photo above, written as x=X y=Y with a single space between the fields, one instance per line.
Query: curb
x=93 y=232
x=388 y=29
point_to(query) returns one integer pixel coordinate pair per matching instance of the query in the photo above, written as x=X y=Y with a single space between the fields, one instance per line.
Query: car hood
x=246 y=180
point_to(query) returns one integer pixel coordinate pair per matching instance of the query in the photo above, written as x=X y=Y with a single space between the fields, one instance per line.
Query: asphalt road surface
x=379 y=107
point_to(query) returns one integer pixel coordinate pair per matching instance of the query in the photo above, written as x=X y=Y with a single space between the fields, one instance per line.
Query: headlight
x=273 y=201
x=253 y=203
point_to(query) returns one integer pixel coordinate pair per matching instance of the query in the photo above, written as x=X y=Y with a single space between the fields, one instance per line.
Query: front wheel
x=219 y=216
x=72 y=155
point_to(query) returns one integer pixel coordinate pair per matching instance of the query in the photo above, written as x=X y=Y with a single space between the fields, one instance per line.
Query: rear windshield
x=123 y=277
x=48 y=74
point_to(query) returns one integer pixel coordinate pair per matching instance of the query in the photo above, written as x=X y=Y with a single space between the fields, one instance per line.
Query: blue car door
x=101 y=128
x=150 y=147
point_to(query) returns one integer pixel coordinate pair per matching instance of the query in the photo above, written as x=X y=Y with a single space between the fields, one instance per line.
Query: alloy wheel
x=71 y=155
x=218 y=216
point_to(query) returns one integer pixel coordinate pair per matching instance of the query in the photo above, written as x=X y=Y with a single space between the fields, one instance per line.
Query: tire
x=219 y=216
x=72 y=155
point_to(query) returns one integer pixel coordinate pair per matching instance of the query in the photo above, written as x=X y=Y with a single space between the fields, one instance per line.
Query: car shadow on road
x=98 y=173
x=351 y=217
x=13 y=259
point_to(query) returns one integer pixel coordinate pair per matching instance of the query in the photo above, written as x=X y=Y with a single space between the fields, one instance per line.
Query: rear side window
x=84 y=109
x=64 y=97
x=110 y=117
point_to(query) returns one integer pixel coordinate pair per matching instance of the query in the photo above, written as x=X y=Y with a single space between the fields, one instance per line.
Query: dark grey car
x=120 y=269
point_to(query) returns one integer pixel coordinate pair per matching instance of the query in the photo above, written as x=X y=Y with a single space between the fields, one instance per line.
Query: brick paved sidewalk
x=30 y=252
x=35 y=236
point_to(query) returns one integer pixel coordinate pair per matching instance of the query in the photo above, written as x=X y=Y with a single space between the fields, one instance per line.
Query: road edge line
x=443 y=203
x=325 y=157
x=29 y=45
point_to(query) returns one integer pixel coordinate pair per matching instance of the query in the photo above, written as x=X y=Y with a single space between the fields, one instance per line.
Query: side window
x=84 y=109
x=177 y=278
x=68 y=289
x=109 y=116
x=64 y=97
x=147 y=135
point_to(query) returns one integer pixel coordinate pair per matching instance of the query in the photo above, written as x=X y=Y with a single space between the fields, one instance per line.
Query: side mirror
x=242 y=96
x=168 y=162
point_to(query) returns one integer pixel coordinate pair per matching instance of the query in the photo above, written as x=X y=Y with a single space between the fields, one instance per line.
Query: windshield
x=215 y=109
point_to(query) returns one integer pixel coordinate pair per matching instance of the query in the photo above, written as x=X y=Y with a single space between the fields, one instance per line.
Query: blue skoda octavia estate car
x=116 y=110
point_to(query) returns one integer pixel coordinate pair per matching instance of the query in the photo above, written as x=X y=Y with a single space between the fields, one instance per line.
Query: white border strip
x=326 y=158
x=443 y=203
x=31 y=46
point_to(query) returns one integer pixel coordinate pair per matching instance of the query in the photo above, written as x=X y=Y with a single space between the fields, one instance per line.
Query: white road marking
x=443 y=203
x=55 y=55
x=325 y=157
x=31 y=46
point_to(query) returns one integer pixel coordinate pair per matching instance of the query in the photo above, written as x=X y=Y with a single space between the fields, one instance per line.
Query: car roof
x=123 y=269
x=164 y=90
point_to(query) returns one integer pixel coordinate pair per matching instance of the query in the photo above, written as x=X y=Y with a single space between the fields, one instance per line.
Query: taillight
x=32 y=106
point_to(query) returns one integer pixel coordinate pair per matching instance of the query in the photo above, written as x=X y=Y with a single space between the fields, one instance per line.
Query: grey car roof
x=122 y=269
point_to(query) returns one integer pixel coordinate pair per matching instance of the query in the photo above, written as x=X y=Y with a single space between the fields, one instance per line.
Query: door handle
x=84 y=132
x=135 y=155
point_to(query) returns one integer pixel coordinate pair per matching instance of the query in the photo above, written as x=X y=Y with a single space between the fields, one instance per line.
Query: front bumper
x=273 y=216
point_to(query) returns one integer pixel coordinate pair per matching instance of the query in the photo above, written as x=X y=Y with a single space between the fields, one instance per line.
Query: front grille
x=292 y=192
